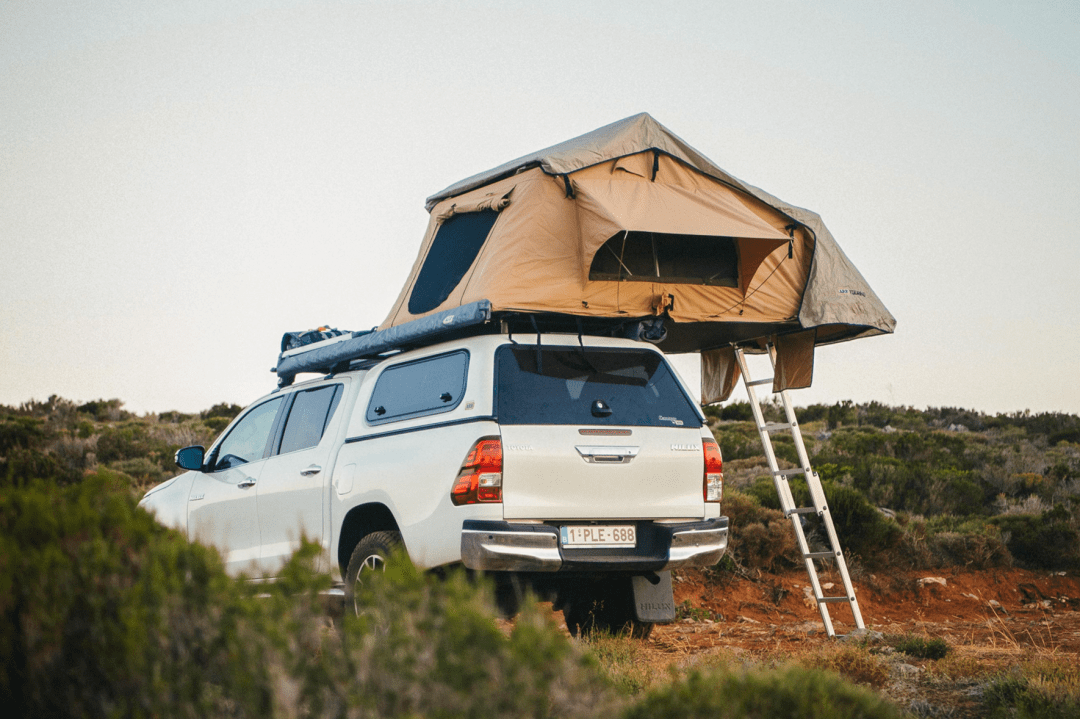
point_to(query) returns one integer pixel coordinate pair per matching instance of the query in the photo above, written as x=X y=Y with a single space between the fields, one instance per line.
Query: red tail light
x=480 y=477
x=714 y=472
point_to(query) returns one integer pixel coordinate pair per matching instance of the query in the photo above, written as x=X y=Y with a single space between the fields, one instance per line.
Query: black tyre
x=369 y=556
x=606 y=607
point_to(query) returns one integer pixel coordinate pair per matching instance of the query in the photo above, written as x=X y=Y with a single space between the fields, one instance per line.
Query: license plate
x=599 y=536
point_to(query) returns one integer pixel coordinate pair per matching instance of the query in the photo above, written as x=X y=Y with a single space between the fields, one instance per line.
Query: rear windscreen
x=590 y=386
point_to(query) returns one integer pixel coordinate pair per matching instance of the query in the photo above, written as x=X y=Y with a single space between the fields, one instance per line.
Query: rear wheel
x=369 y=556
x=603 y=606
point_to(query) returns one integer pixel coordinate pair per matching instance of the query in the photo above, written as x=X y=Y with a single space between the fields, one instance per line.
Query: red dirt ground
x=1006 y=607
x=991 y=620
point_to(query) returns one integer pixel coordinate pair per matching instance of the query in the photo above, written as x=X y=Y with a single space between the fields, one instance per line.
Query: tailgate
x=569 y=472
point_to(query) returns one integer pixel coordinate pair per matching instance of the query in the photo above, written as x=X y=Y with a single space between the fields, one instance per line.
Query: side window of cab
x=248 y=441
x=309 y=414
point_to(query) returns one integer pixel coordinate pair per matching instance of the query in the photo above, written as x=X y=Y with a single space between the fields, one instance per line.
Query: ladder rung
x=802 y=510
x=833 y=600
x=754 y=383
x=791 y=472
x=818 y=555
x=775 y=426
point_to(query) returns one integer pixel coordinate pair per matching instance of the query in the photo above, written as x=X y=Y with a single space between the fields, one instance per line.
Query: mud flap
x=654 y=600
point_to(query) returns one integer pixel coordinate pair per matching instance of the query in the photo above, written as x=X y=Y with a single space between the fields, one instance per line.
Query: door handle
x=312 y=469
x=245 y=483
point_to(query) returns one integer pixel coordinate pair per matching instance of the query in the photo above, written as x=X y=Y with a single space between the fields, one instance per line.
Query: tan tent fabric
x=719 y=374
x=794 y=361
x=636 y=175
x=609 y=206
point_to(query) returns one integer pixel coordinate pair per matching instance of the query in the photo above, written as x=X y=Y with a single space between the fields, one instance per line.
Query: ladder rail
x=787 y=501
x=813 y=483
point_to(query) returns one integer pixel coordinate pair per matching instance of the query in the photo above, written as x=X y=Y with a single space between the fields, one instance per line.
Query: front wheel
x=369 y=556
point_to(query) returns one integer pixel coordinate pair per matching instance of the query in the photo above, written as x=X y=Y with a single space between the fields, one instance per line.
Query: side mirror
x=190 y=457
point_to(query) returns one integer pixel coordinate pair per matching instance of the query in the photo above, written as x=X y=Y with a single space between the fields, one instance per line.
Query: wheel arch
x=360 y=520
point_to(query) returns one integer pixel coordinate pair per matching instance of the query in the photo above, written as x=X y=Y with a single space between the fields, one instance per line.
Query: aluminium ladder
x=819 y=506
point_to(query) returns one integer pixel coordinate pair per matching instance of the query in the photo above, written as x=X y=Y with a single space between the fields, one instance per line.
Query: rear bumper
x=495 y=546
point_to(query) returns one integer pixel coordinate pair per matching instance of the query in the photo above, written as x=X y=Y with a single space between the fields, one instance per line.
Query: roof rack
x=335 y=354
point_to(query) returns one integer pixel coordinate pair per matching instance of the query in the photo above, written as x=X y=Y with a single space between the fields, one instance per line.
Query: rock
x=867 y=635
x=932 y=580
x=906 y=670
x=994 y=604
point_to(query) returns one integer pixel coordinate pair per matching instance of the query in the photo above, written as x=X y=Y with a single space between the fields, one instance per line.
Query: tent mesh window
x=457 y=243
x=656 y=256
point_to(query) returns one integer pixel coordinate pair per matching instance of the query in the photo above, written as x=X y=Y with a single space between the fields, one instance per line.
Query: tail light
x=480 y=477
x=714 y=472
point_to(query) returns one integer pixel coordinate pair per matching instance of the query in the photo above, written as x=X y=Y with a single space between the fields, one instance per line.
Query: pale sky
x=181 y=182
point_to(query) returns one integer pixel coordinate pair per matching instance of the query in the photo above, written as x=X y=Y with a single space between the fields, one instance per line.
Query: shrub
x=20 y=465
x=429 y=647
x=789 y=691
x=105 y=410
x=21 y=433
x=1045 y=541
x=216 y=424
x=854 y=662
x=862 y=529
x=1046 y=689
x=106 y=613
x=920 y=647
x=223 y=409
x=103 y=612
x=760 y=537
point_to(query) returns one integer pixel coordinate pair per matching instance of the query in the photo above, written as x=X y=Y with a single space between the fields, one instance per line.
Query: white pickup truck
x=577 y=466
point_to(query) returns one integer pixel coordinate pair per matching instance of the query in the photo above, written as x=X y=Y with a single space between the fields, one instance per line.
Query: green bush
x=20 y=464
x=761 y=537
x=224 y=409
x=104 y=613
x=1043 y=689
x=429 y=647
x=791 y=692
x=921 y=647
x=862 y=529
x=21 y=433
x=1044 y=541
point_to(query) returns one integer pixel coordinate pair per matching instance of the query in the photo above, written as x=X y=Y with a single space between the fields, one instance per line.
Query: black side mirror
x=190 y=457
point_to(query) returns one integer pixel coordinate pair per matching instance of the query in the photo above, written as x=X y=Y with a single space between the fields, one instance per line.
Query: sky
x=182 y=182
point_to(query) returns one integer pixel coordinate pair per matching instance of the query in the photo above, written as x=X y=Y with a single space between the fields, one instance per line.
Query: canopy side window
x=654 y=256
x=456 y=244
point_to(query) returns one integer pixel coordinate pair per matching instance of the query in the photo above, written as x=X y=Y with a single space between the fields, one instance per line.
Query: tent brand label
x=448 y=320
x=856 y=293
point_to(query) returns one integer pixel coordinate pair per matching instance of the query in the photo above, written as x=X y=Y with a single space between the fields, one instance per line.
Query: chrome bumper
x=509 y=547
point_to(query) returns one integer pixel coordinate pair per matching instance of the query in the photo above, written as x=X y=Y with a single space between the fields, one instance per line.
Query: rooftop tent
x=627 y=222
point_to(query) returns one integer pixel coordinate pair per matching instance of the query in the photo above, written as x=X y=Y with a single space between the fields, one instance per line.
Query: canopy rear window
x=456 y=244
x=562 y=385
x=662 y=257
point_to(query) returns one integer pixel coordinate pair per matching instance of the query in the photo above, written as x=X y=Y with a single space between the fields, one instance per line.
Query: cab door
x=293 y=486
x=222 y=509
